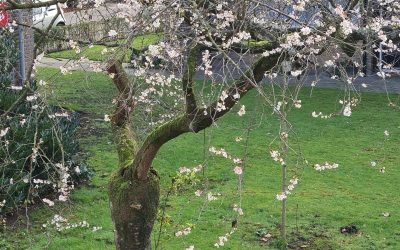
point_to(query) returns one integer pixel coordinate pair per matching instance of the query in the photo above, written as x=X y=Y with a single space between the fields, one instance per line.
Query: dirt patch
x=349 y=229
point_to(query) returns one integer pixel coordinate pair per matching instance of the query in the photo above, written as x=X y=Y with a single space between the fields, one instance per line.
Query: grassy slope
x=94 y=53
x=355 y=193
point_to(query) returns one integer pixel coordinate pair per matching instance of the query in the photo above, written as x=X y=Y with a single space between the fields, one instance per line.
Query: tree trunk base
x=134 y=206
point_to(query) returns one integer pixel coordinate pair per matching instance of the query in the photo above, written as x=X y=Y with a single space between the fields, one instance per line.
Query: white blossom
x=48 y=202
x=238 y=170
x=198 y=192
x=386 y=133
x=112 y=33
x=3 y=132
x=347 y=110
x=242 y=111
x=325 y=166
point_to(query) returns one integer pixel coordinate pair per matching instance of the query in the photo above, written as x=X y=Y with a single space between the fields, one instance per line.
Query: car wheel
x=72 y=3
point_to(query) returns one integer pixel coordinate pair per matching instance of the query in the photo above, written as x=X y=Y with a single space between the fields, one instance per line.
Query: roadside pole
x=21 y=50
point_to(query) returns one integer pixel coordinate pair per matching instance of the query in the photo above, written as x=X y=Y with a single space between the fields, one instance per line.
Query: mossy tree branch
x=125 y=138
x=125 y=101
x=147 y=152
x=201 y=120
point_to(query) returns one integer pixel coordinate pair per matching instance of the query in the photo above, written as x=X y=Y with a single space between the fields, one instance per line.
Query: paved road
x=373 y=83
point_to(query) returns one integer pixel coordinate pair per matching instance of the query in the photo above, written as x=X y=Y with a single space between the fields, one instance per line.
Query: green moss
x=121 y=187
x=134 y=206
x=126 y=146
x=255 y=43
x=168 y=128
x=118 y=185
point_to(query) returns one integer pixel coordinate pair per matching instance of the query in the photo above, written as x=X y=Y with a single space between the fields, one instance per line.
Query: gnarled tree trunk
x=134 y=205
x=134 y=189
x=133 y=202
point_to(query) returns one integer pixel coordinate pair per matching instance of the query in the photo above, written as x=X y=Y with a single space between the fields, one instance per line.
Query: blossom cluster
x=60 y=224
x=221 y=152
x=292 y=184
x=321 y=115
x=183 y=232
x=223 y=239
x=348 y=104
x=185 y=170
x=325 y=166
x=212 y=196
x=276 y=156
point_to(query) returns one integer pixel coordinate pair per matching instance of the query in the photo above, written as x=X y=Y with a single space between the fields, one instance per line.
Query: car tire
x=72 y=3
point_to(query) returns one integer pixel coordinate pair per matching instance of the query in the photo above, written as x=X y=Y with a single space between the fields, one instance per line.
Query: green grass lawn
x=354 y=194
x=95 y=52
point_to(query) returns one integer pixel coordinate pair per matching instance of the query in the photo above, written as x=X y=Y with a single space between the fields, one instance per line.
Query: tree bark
x=133 y=202
x=134 y=205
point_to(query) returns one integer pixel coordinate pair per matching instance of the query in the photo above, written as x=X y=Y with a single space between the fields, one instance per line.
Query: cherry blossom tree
x=254 y=43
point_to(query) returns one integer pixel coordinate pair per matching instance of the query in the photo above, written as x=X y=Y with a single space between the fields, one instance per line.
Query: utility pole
x=21 y=43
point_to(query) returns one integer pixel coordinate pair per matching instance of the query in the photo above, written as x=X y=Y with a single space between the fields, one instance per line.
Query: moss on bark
x=134 y=205
x=126 y=145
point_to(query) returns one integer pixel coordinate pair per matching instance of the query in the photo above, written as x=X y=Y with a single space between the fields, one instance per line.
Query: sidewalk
x=373 y=83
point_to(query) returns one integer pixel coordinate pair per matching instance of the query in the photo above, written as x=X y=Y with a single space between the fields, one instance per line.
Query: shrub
x=38 y=148
x=38 y=153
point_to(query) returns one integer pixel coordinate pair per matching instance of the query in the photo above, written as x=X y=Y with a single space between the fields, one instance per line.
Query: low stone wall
x=85 y=32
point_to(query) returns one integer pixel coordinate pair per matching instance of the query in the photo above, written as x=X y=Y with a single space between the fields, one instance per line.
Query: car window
x=37 y=11
x=51 y=8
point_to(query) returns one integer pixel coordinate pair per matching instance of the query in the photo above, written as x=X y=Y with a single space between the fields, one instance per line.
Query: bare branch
x=13 y=5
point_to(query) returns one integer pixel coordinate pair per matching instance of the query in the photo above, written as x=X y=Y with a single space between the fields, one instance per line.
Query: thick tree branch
x=125 y=102
x=203 y=117
x=124 y=137
x=161 y=135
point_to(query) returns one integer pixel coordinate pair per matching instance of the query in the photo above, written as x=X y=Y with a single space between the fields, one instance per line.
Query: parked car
x=43 y=16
